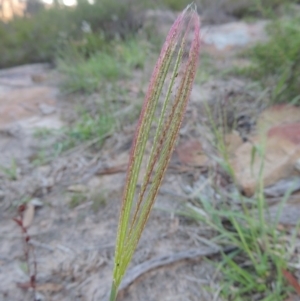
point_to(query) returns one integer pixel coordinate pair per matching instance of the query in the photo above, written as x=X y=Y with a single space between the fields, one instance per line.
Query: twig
x=111 y=170
x=64 y=249
x=158 y=262
x=28 y=252
x=41 y=245
x=101 y=247
x=99 y=170
x=82 y=147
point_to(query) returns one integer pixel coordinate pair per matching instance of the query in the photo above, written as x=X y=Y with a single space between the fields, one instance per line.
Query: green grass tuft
x=276 y=63
x=263 y=249
x=113 y=63
x=254 y=270
x=86 y=129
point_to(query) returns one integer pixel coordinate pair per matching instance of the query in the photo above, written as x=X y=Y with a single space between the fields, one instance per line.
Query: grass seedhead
x=158 y=126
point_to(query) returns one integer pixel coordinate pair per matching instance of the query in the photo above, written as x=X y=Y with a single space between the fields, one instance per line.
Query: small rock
x=77 y=188
x=47 y=109
x=278 y=136
x=38 y=78
x=39 y=297
x=36 y=202
x=44 y=169
x=289 y=132
x=49 y=287
x=49 y=183
x=29 y=125
x=23 y=104
x=233 y=35
x=277 y=115
x=191 y=153
x=12 y=130
x=280 y=188
x=111 y=183
x=281 y=149
x=233 y=140
x=288 y=215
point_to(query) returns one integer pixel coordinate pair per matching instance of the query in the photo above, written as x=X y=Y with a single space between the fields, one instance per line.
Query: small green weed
x=43 y=133
x=77 y=199
x=99 y=200
x=10 y=172
x=23 y=266
x=88 y=128
x=40 y=158
x=19 y=202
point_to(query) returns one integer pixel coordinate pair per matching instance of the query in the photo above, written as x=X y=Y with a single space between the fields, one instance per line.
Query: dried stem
x=28 y=252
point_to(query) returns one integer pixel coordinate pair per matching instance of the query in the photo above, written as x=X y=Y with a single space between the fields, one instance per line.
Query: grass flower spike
x=158 y=128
